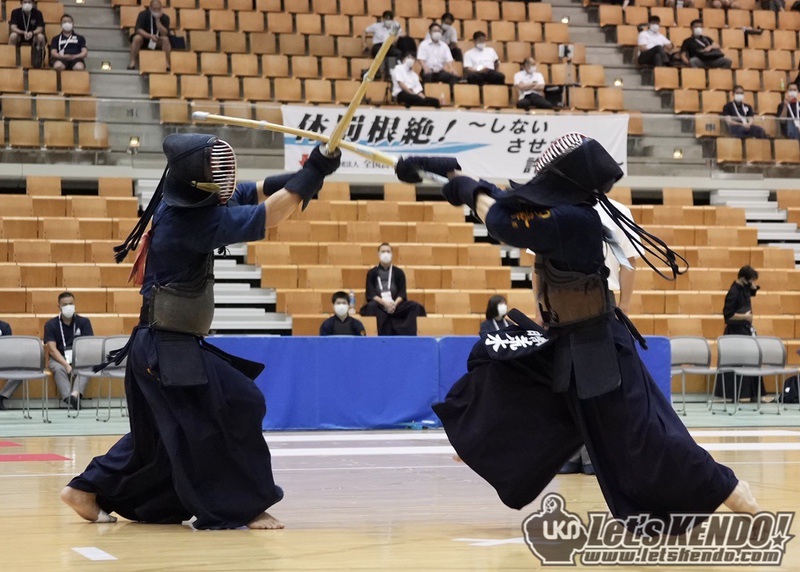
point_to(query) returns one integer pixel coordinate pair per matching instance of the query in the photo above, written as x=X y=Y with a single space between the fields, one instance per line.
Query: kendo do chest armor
x=184 y=307
x=572 y=297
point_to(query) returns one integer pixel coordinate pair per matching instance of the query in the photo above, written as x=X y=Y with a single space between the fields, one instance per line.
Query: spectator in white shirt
x=481 y=63
x=654 y=47
x=449 y=36
x=380 y=33
x=406 y=88
x=530 y=85
x=436 y=59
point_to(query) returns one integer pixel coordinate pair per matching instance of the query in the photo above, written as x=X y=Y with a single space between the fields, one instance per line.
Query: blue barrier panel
x=364 y=383
x=657 y=358
x=453 y=354
x=376 y=382
x=342 y=382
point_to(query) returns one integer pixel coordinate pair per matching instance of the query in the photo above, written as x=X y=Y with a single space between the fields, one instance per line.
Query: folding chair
x=112 y=372
x=87 y=352
x=740 y=355
x=690 y=355
x=22 y=357
x=773 y=355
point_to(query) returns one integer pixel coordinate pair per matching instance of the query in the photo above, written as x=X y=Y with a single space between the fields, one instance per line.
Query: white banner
x=488 y=145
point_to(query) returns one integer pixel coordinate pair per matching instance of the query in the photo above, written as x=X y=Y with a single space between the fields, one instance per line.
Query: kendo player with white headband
x=196 y=447
x=523 y=409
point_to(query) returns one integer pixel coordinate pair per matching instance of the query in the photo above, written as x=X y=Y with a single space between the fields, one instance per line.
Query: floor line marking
x=93 y=553
x=440 y=435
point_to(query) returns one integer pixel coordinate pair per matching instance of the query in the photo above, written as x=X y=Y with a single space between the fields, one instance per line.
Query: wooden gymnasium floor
x=388 y=500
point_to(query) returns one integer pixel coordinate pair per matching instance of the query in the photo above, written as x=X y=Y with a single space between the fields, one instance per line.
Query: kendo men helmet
x=201 y=170
x=572 y=170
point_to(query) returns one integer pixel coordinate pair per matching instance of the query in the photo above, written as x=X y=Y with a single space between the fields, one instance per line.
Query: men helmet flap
x=201 y=170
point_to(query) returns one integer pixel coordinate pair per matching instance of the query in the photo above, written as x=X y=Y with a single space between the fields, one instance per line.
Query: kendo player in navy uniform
x=196 y=448
x=517 y=421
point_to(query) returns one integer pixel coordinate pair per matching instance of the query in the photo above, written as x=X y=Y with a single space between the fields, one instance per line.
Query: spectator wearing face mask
x=152 y=33
x=700 y=51
x=341 y=323
x=496 y=311
x=449 y=36
x=436 y=59
x=481 y=63
x=59 y=334
x=739 y=117
x=406 y=87
x=789 y=113
x=26 y=26
x=387 y=298
x=654 y=47
x=738 y=314
x=68 y=49
x=530 y=85
x=380 y=33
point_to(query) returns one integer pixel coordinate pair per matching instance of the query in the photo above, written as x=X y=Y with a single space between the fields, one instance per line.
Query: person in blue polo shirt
x=68 y=49
x=59 y=333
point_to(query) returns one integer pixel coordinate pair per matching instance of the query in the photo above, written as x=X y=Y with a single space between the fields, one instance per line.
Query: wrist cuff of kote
x=276 y=183
x=440 y=165
x=306 y=183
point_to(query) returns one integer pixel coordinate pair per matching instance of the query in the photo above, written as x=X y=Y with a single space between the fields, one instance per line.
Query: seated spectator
x=679 y=3
x=700 y=51
x=406 y=88
x=530 y=85
x=435 y=58
x=388 y=300
x=481 y=63
x=654 y=47
x=68 y=49
x=341 y=323
x=380 y=33
x=496 y=311
x=11 y=384
x=26 y=26
x=789 y=113
x=725 y=4
x=449 y=36
x=152 y=32
x=739 y=117
x=59 y=334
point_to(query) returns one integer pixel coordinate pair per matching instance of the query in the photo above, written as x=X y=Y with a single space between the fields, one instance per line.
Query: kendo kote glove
x=308 y=181
x=408 y=168
x=463 y=190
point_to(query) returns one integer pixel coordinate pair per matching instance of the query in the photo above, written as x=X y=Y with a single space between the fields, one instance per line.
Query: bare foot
x=742 y=499
x=458 y=459
x=265 y=522
x=85 y=504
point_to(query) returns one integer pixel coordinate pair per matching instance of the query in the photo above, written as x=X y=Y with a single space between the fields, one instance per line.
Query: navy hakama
x=192 y=451
x=506 y=423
